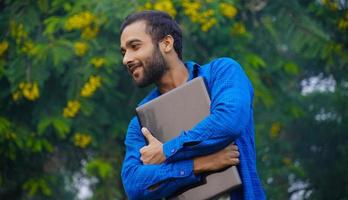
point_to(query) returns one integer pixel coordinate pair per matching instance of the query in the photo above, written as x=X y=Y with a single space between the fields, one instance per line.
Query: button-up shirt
x=230 y=120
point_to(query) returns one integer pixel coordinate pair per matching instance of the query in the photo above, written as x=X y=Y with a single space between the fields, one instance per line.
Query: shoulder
x=133 y=124
x=224 y=67
x=223 y=64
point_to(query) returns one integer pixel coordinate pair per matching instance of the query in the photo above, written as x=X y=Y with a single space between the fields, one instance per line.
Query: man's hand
x=216 y=161
x=153 y=152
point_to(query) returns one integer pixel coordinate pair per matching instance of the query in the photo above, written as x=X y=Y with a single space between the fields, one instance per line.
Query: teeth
x=134 y=68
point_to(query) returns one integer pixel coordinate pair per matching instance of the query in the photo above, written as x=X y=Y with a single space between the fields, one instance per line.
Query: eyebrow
x=129 y=43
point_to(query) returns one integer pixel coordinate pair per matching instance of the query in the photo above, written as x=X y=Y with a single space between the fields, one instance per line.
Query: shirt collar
x=190 y=66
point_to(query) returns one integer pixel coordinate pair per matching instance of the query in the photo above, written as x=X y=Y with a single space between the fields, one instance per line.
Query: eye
x=135 y=46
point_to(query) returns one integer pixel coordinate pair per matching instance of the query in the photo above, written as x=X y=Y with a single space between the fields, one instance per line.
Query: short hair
x=158 y=25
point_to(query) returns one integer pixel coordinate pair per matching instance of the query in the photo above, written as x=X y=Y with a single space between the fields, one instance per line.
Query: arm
x=231 y=95
x=216 y=161
x=154 y=181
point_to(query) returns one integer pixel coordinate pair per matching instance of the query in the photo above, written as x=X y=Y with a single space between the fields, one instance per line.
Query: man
x=151 y=47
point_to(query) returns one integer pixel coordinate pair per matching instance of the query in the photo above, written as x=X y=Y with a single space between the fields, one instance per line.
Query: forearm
x=226 y=157
x=214 y=132
x=197 y=149
x=153 y=181
x=157 y=181
x=231 y=110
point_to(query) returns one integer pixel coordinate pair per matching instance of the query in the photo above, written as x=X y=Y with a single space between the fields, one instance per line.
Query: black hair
x=158 y=25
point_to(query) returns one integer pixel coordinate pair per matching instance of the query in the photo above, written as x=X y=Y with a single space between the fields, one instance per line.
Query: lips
x=133 y=67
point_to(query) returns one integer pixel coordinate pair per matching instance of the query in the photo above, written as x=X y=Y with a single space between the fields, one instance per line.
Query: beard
x=154 y=68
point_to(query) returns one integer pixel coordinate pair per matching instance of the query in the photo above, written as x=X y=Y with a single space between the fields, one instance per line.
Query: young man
x=151 y=45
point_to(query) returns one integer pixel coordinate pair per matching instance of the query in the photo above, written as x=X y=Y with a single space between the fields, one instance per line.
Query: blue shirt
x=230 y=119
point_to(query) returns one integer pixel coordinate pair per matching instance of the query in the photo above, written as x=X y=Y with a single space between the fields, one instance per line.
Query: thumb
x=149 y=137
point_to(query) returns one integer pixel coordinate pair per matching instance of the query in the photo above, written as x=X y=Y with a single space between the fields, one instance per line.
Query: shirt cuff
x=184 y=169
x=172 y=146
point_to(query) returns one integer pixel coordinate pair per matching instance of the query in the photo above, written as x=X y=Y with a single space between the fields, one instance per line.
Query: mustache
x=132 y=65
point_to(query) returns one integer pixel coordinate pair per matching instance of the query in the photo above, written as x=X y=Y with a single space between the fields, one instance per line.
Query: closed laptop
x=181 y=109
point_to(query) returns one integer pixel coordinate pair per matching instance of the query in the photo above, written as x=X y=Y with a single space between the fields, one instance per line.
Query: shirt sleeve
x=231 y=105
x=151 y=181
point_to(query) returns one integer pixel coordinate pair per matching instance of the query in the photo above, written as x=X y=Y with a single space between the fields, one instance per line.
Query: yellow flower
x=275 y=130
x=191 y=9
x=82 y=140
x=330 y=4
x=238 y=29
x=30 y=91
x=3 y=47
x=343 y=23
x=208 y=24
x=287 y=161
x=166 y=6
x=146 y=6
x=71 y=109
x=16 y=96
x=80 y=20
x=98 y=62
x=208 y=13
x=228 y=10
x=94 y=82
x=29 y=48
x=89 y=32
x=21 y=85
x=205 y=18
x=11 y=136
x=17 y=31
x=80 y=48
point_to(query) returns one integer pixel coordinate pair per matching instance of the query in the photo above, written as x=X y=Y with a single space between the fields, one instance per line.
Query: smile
x=133 y=68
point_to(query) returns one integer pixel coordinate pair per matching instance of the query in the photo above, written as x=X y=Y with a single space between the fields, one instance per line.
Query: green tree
x=65 y=98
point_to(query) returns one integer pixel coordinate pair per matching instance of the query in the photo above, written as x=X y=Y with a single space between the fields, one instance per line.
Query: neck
x=176 y=75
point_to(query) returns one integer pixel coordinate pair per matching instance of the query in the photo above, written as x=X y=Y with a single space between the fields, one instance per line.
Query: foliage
x=65 y=98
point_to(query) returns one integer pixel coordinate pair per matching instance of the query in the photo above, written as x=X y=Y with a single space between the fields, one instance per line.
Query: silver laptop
x=181 y=109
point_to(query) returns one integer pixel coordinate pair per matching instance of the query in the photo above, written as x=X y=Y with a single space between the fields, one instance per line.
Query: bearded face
x=141 y=55
x=153 y=69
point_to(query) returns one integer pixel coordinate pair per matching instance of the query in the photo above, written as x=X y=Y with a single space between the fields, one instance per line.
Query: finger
x=142 y=150
x=235 y=154
x=145 y=159
x=234 y=147
x=148 y=135
x=235 y=161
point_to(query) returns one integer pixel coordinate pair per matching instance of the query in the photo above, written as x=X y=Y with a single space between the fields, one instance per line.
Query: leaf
x=43 y=5
x=61 y=126
x=87 y=107
x=52 y=25
x=4 y=125
x=43 y=124
x=255 y=61
x=2 y=68
x=99 y=167
x=291 y=68
x=61 y=53
x=37 y=147
x=48 y=146
x=44 y=187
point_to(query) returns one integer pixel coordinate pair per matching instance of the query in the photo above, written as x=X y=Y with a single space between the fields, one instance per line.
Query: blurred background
x=66 y=99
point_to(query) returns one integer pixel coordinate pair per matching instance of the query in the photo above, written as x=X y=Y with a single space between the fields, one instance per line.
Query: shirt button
x=173 y=150
x=182 y=173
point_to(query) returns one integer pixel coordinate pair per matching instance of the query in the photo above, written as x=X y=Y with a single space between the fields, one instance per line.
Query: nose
x=127 y=58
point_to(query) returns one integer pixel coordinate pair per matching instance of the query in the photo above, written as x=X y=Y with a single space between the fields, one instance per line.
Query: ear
x=167 y=44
